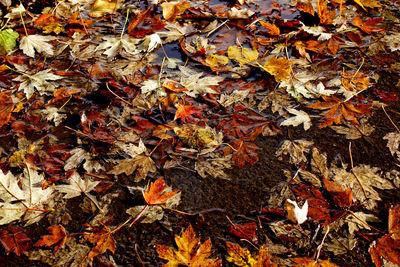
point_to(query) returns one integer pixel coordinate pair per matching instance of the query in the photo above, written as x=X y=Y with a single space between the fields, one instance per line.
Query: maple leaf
x=6 y=106
x=79 y=155
x=139 y=162
x=338 y=111
x=14 y=239
x=242 y=256
x=57 y=237
x=154 y=194
x=186 y=112
x=23 y=200
x=103 y=237
x=393 y=143
x=112 y=45
x=49 y=23
x=245 y=152
x=190 y=251
x=273 y=30
x=299 y=118
x=280 y=68
x=362 y=181
x=76 y=186
x=355 y=81
x=41 y=81
x=388 y=246
x=310 y=262
x=196 y=83
x=353 y=131
x=368 y=26
x=295 y=149
x=30 y=43
x=296 y=214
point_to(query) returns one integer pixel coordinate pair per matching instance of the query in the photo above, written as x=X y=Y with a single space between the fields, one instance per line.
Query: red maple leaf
x=243 y=152
x=58 y=237
x=14 y=239
x=186 y=113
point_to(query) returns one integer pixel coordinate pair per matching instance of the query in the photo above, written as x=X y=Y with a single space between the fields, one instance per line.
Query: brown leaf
x=145 y=23
x=368 y=26
x=140 y=164
x=326 y=16
x=246 y=231
x=342 y=197
x=242 y=256
x=310 y=262
x=58 y=237
x=244 y=153
x=190 y=251
x=6 y=106
x=154 y=194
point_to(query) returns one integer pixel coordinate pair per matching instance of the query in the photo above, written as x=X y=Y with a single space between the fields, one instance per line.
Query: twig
x=137 y=253
x=120 y=98
x=397 y=128
x=352 y=171
x=320 y=245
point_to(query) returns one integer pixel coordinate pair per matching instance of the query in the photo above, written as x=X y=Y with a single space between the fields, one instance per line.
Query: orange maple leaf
x=272 y=29
x=305 y=6
x=326 y=16
x=57 y=237
x=190 y=251
x=242 y=256
x=355 y=81
x=280 y=68
x=339 y=111
x=103 y=238
x=171 y=10
x=186 y=112
x=154 y=194
x=367 y=26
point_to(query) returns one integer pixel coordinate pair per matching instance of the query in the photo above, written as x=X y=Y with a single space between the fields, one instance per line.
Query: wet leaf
x=42 y=81
x=57 y=237
x=76 y=186
x=246 y=231
x=49 y=23
x=326 y=16
x=155 y=194
x=173 y=9
x=242 y=256
x=103 y=238
x=280 y=68
x=353 y=131
x=14 y=239
x=295 y=149
x=242 y=55
x=355 y=81
x=190 y=251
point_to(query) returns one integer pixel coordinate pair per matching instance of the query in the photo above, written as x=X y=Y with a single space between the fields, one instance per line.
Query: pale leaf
x=295 y=149
x=299 y=118
x=41 y=81
x=30 y=43
x=299 y=213
x=76 y=186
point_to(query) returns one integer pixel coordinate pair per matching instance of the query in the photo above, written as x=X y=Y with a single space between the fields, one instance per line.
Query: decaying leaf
x=76 y=186
x=190 y=251
x=295 y=149
x=14 y=239
x=42 y=81
x=103 y=238
x=393 y=143
x=353 y=131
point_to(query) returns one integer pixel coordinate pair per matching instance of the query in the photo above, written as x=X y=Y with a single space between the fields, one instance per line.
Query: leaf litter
x=285 y=105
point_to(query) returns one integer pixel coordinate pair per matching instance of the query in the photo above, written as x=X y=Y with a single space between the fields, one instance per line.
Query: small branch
x=352 y=171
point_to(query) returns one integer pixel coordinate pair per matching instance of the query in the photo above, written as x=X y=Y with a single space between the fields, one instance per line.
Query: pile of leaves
x=100 y=99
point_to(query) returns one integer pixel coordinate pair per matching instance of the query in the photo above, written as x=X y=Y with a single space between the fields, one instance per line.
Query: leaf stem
x=139 y=215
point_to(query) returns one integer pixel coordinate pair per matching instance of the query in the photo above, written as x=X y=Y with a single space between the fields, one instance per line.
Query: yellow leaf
x=102 y=7
x=242 y=55
x=190 y=252
x=242 y=256
x=279 y=68
x=217 y=60
x=355 y=81
x=171 y=10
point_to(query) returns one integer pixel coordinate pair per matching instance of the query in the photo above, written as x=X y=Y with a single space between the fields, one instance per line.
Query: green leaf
x=8 y=40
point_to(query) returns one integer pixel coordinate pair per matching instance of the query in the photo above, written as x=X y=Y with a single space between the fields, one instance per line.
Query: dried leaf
x=326 y=16
x=76 y=186
x=295 y=149
x=40 y=43
x=14 y=239
x=280 y=68
x=353 y=131
x=393 y=143
x=300 y=117
x=102 y=238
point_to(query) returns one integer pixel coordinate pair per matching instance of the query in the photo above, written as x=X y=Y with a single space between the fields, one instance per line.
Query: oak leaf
x=57 y=237
x=190 y=251
x=242 y=256
x=155 y=195
x=14 y=239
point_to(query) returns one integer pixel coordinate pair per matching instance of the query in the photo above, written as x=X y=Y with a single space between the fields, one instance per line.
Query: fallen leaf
x=57 y=237
x=244 y=153
x=76 y=186
x=310 y=262
x=190 y=251
x=280 y=68
x=393 y=143
x=186 y=113
x=14 y=239
x=273 y=30
x=155 y=195
x=242 y=256
x=8 y=41
x=246 y=231
x=300 y=117
x=355 y=81
x=42 y=81
x=103 y=239
x=40 y=43
x=242 y=55
x=173 y=9
x=102 y=7
x=325 y=15
x=295 y=149
x=296 y=214
x=49 y=23
x=6 y=107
